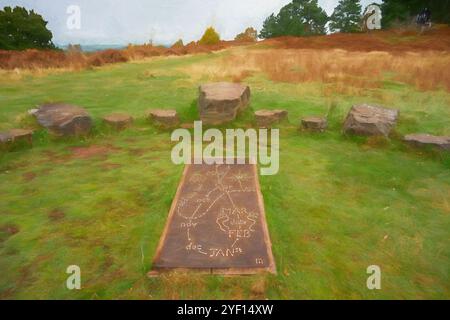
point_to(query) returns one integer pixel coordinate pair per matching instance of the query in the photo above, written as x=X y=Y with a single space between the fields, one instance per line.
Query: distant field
x=338 y=204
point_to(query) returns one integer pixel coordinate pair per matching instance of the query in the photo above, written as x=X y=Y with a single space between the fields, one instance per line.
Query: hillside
x=399 y=40
x=437 y=39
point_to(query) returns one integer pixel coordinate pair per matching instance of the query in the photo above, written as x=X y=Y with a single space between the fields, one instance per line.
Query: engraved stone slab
x=217 y=223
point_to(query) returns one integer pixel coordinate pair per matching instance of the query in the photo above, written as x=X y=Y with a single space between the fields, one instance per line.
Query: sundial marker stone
x=216 y=223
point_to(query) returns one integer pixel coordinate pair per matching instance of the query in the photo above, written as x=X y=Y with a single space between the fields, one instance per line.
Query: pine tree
x=346 y=16
x=298 y=18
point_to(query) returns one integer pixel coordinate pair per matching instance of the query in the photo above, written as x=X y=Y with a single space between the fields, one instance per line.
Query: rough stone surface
x=316 y=124
x=369 y=120
x=164 y=118
x=118 y=121
x=217 y=223
x=220 y=102
x=4 y=137
x=15 y=136
x=423 y=140
x=266 y=118
x=64 y=119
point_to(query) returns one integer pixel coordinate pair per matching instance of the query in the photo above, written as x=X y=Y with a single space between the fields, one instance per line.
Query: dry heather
x=346 y=63
x=394 y=41
x=56 y=59
x=341 y=71
x=426 y=71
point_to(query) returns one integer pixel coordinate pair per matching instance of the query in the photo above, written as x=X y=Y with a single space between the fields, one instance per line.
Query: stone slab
x=220 y=102
x=317 y=124
x=15 y=136
x=118 y=121
x=368 y=120
x=216 y=223
x=63 y=119
x=164 y=117
x=423 y=139
x=266 y=118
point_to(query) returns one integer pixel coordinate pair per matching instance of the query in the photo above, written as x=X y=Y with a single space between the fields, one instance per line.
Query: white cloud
x=164 y=21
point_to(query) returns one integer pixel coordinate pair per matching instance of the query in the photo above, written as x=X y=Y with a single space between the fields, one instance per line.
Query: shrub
x=298 y=18
x=249 y=35
x=178 y=44
x=32 y=59
x=210 y=37
x=107 y=56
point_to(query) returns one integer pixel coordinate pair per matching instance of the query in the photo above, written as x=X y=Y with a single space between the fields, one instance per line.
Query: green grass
x=338 y=204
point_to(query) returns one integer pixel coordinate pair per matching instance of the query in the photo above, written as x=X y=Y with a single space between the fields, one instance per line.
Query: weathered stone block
x=370 y=120
x=266 y=118
x=220 y=102
x=164 y=118
x=423 y=140
x=316 y=124
x=118 y=121
x=64 y=119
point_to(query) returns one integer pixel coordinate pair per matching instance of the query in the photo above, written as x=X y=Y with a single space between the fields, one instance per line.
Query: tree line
x=306 y=17
x=22 y=29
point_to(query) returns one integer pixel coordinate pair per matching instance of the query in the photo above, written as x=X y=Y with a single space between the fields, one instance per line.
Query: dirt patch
x=258 y=289
x=7 y=231
x=312 y=238
x=376 y=142
x=109 y=260
x=193 y=285
x=92 y=151
x=56 y=215
x=137 y=151
x=29 y=176
x=110 y=166
x=188 y=125
x=55 y=157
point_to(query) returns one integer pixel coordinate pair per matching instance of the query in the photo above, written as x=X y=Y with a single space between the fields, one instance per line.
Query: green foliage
x=346 y=16
x=404 y=11
x=20 y=29
x=298 y=18
x=249 y=35
x=210 y=37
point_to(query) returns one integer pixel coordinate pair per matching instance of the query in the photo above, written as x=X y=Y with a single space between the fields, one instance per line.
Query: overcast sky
x=164 y=21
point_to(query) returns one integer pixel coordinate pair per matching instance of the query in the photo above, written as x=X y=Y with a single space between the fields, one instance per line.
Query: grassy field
x=338 y=204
